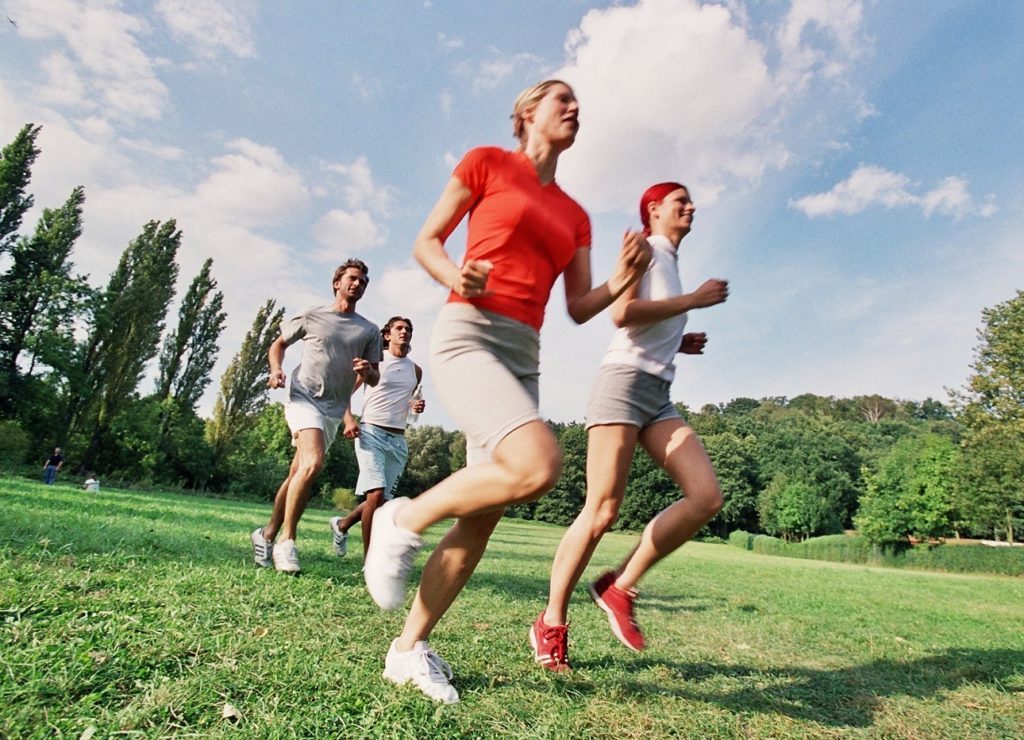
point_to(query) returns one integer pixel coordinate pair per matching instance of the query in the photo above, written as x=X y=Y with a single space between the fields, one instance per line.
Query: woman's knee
x=602 y=515
x=537 y=478
x=708 y=499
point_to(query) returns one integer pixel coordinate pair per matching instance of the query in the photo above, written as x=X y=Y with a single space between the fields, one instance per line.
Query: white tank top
x=653 y=347
x=387 y=403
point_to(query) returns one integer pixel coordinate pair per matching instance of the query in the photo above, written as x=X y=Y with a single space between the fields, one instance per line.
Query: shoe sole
x=410 y=682
x=612 y=622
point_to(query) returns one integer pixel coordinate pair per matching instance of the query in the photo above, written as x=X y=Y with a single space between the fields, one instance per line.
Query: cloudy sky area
x=856 y=166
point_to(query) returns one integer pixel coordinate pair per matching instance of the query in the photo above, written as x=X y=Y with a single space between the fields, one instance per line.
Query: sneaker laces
x=629 y=597
x=435 y=667
x=559 y=636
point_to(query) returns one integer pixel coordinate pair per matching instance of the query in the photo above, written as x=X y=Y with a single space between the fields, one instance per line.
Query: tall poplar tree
x=243 y=388
x=16 y=161
x=190 y=351
x=127 y=327
x=39 y=297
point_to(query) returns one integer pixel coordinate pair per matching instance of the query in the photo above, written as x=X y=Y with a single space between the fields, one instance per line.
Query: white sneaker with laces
x=390 y=557
x=422 y=666
x=261 y=549
x=286 y=557
x=340 y=538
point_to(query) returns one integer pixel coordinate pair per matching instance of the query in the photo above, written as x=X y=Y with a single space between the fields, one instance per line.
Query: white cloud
x=668 y=89
x=160 y=151
x=950 y=197
x=489 y=74
x=209 y=27
x=103 y=40
x=870 y=185
x=820 y=35
x=448 y=43
x=254 y=185
x=343 y=233
x=407 y=289
x=361 y=191
x=867 y=185
x=63 y=84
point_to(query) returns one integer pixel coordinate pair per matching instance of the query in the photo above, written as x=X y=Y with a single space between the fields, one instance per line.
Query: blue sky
x=856 y=166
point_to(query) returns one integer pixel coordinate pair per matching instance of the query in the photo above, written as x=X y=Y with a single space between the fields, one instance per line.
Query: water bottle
x=417 y=394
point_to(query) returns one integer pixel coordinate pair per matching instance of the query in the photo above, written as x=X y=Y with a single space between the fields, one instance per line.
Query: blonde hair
x=527 y=99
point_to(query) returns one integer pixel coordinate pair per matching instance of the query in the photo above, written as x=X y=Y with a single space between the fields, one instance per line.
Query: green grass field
x=141 y=614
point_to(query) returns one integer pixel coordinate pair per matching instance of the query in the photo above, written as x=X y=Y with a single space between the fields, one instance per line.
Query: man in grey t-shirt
x=339 y=346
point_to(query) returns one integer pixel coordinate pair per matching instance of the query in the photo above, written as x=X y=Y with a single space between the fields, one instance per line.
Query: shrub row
x=842 y=548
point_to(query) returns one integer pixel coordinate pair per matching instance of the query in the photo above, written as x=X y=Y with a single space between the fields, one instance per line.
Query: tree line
x=73 y=356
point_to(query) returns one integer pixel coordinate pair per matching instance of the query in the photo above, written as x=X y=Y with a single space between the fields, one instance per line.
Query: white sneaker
x=261 y=549
x=286 y=557
x=340 y=538
x=425 y=668
x=390 y=557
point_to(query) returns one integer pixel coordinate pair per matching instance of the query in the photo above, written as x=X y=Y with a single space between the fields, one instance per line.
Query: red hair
x=655 y=194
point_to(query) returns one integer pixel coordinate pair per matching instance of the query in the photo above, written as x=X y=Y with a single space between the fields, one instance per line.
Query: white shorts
x=485 y=369
x=382 y=456
x=301 y=415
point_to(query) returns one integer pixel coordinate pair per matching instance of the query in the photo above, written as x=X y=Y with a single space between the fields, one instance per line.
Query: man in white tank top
x=381 y=448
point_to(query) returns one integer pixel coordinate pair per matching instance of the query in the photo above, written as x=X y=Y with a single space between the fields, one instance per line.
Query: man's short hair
x=358 y=264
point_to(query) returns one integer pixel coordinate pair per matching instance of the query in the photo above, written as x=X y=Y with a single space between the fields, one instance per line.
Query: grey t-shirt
x=331 y=340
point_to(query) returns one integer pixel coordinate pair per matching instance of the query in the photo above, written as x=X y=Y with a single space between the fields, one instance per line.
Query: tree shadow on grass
x=845 y=697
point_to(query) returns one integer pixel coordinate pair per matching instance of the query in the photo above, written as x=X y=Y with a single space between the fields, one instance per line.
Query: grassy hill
x=141 y=614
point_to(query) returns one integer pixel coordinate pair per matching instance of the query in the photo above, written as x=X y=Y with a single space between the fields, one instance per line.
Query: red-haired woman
x=524 y=232
x=629 y=403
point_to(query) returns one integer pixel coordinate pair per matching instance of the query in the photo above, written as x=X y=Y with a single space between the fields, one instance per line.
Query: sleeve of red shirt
x=475 y=168
x=583 y=236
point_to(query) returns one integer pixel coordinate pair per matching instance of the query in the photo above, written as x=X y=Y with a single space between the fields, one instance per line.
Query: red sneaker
x=550 y=645
x=618 y=605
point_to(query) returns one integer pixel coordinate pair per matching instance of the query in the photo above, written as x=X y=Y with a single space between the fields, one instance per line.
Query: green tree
x=990 y=487
x=912 y=493
x=649 y=491
x=429 y=459
x=243 y=387
x=796 y=447
x=16 y=160
x=735 y=463
x=995 y=391
x=795 y=510
x=563 y=503
x=260 y=455
x=39 y=297
x=190 y=351
x=992 y=410
x=127 y=328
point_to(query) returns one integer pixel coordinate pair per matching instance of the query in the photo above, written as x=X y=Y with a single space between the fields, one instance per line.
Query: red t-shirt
x=529 y=231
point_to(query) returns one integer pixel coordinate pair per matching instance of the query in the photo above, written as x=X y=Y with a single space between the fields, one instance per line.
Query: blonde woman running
x=524 y=232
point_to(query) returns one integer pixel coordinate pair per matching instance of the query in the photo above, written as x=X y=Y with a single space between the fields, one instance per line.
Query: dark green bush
x=743 y=540
x=841 y=548
x=14 y=444
x=1008 y=561
x=768 y=545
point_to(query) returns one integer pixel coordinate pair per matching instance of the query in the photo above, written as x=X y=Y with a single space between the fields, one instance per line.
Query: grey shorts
x=622 y=394
x=485 y=369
